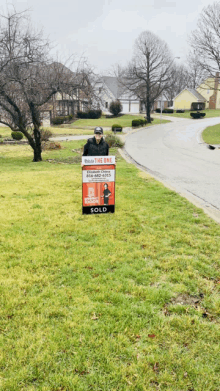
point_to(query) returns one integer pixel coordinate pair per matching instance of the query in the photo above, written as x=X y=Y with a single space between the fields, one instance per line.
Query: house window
x=106 y=105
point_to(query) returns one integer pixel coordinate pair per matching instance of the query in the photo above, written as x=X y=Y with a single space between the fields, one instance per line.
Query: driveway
x=175 y=154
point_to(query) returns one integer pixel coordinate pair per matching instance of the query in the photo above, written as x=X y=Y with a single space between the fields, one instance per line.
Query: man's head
x=98 y=132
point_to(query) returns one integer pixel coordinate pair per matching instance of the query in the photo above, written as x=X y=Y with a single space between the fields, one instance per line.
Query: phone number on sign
x=93 y=176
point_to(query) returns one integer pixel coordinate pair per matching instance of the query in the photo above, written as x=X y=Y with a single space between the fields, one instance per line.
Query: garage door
x=134 y=108
x=125 y=107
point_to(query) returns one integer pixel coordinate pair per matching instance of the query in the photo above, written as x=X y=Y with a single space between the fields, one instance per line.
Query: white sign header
x=90 y=160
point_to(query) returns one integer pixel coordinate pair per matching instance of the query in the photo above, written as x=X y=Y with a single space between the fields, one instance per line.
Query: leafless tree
x=29 y=77
x=148 y=73
x=179 y=79
x=205 y=40
x=196 y=73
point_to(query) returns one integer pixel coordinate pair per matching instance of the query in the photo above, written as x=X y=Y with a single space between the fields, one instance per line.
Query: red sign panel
x=98 y=185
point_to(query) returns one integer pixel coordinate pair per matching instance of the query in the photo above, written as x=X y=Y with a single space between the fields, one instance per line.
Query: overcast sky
x=105 y=30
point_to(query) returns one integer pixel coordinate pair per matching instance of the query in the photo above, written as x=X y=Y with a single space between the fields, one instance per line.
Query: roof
x=113 y=85
x=193 y=92
x=196 y=93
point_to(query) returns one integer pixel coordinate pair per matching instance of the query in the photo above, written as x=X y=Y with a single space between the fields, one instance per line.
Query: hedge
x=168 y=111
x=197 y=115
x=17 y=135
x=116 y=127
x=91 y=114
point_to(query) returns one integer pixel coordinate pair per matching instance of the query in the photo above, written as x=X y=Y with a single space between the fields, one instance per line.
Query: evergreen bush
x=117 y=127
x=91 y=114
x=167 y=111
x=197 y=115
x=17 y=135
x=135 y=122
x=115 y=107
x=58 y=120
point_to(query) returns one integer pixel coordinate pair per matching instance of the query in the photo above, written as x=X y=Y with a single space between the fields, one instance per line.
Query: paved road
x=175 y=154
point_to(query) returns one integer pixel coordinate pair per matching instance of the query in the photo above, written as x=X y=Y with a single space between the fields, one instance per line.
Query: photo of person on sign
x=106 y=194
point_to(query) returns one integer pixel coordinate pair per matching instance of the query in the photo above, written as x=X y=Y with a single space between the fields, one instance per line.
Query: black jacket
x=91 y=148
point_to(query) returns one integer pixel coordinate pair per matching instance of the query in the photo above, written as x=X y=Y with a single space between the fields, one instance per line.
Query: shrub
x=140 y=122
x=45 y=134
x=115 y=107
x=58 y=120
x=197 y=106
x=95 y=114
x=82 y=115
x=116 y=127
x=167 y=111
x=197 y=115
x=180 y=111
x=113 y=141
x=17 y=135
x=143 y=121
x=50 y=145
x=157 y=110
x=135 y=122
x=91 y=114
x=61 y=119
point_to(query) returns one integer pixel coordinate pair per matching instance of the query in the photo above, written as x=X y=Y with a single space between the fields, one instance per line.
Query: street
x=175 y=154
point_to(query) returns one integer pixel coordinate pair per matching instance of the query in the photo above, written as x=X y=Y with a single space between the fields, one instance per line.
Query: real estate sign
x=98 y=184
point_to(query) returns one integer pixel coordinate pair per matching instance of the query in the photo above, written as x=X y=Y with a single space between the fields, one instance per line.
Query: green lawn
x=209 y=114
x=75 y=131
x=83 y=130
x=128 y=301
x=125 y=120
x=211 y=135
x=5 y=132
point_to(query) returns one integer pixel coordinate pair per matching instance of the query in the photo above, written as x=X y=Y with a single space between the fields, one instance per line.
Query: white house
x=110 y=90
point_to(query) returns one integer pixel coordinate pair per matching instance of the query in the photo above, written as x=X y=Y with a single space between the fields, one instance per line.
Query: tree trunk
x=37 y=147
x=148 y=107
x=148 y=90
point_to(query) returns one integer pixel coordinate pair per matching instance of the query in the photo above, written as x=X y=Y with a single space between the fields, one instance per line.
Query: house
x=210 y=90
x=185 y=99
x=207 y=93
x=161 y=102
x=110 y=90
x=71 y=99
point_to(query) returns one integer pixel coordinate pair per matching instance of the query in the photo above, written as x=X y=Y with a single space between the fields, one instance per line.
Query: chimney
x=213 y=98
x=216 y=81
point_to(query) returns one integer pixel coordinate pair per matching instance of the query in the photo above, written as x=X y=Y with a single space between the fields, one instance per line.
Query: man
x=96 y=146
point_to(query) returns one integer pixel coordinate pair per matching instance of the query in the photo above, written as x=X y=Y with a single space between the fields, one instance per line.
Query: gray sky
x=105 y=30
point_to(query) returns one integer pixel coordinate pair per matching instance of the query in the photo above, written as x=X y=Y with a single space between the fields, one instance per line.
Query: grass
x=211 y=135
x=128 y=301
x=209 y=114
x=82 y=128
x=5 y=131
x=80 y=131
x=124 y=120
x=57 y=130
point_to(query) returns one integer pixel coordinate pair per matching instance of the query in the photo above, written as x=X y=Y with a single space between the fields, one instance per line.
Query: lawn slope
x=125 y=301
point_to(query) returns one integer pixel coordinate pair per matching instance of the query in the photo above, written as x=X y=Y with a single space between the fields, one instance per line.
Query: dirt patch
x=185 y=299
x=68 y=160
